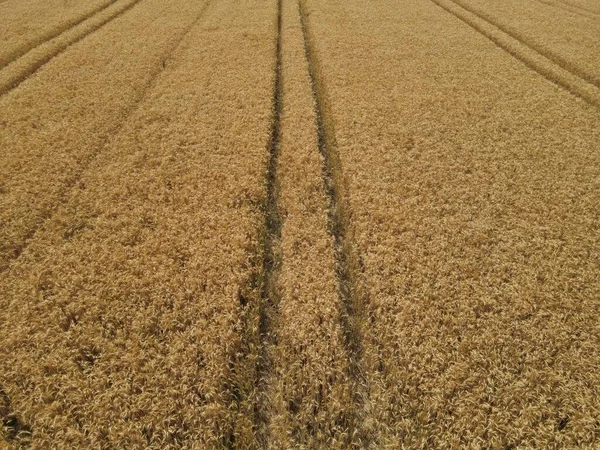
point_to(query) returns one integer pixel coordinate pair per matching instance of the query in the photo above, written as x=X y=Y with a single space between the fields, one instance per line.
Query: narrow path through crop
x=251 y=363
x=268 y=309
x=56 y=32
x=533 y=59
x=63 y=194
x=253 y=399
x=13 y=75
x=346 y=263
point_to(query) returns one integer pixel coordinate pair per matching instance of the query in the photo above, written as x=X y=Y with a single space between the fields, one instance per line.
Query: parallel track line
x=63 y=194
x=351 y=297
x=532 y=44
x=524 y=53
x=571 y=8
x=55 y=33
x=269 y=306
x=252 y=361
x=21 y=69
x=582 y=8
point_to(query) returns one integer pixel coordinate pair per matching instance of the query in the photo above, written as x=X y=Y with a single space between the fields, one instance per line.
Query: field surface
x=300 y=224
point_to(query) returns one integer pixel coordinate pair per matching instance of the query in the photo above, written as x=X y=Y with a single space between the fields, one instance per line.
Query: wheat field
x=300 y=224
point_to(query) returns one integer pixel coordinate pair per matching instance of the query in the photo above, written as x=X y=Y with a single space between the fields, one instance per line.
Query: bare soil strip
x=562 y=62
x=127 y=305
x=51 y=34
x=530 y=57
x=352 y=298
x=86 y=132
x=20 y=70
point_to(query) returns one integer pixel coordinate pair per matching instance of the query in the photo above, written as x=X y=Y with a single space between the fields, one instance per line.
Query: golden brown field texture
x=299 y=224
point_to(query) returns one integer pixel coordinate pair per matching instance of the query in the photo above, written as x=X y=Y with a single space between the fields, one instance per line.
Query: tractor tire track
x=350 y=292
x=63 y=193
x=23 y=68
x=533 y=59
x=590 y=78
x=251 y=365
x=55 y=33
x=596 y=13
x=268 y=308
x=571 y=8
